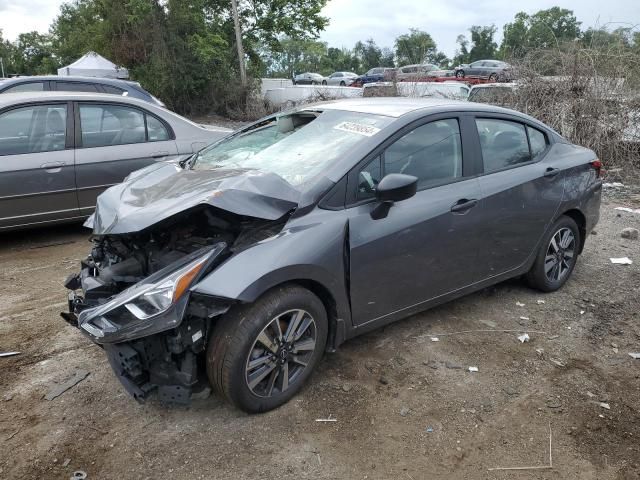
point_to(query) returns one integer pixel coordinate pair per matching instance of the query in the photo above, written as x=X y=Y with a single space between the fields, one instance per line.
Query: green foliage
x=483 y=46
x=414 y=47
x=544 y=29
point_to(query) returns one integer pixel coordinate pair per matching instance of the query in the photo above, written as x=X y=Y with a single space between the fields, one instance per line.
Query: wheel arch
x=581 y=220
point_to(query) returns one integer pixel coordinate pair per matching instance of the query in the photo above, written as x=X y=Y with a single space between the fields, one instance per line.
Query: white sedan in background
x=342 y=79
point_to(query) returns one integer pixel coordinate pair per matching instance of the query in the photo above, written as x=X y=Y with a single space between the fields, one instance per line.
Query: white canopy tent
x=93 y=65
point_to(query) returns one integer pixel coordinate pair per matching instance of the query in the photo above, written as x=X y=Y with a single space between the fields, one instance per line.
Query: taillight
x=597 y=166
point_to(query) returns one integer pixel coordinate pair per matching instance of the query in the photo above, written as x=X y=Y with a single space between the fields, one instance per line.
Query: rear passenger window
x=75 y=87
x=504 y=143
x=112 y=90
x=431 y=152
x=107 y=125
x=537 y=140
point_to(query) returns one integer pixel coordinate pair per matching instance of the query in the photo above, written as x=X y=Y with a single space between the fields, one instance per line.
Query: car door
x=521 y=191
x=37 y=180
x=425 y=247
x=475 y=69
x=113 y=140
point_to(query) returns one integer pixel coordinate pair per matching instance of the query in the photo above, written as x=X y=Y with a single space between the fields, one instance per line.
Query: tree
x=544 y=29
x=414 y=47
x=32 y=54
x=462 y=53
x=483 y=45
x=369 y=55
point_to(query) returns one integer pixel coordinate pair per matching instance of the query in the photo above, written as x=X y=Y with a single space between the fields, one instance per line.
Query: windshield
x=297 y=146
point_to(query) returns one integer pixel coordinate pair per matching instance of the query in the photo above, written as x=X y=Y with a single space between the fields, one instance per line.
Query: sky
x=351 y=20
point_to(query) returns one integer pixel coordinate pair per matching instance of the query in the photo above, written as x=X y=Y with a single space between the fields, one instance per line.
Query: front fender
x=311 y=248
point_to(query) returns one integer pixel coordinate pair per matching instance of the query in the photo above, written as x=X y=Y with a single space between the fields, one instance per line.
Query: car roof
x=398 y=106
x=72 y=78
x=8 y=99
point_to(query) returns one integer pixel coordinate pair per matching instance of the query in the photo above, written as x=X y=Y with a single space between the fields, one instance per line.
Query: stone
x=404 y=411
x=629 y=233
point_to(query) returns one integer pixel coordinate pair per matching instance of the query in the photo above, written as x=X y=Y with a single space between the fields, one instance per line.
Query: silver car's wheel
x=560 y=255
x=280 y=353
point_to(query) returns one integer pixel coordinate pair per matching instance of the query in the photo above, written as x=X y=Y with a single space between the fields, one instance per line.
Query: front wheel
x=460 y=74
x=260 y=355
x=324 y=82
x=557 y=256
x=342 y=84
x=493 y=78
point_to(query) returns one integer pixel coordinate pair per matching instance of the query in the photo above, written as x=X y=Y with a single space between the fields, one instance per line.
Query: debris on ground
x=519 y=304
x=629 y=233
x=346 y=387
x=384 y=381
x=553 y=403
x=473 y=369
x=404 y=411
x=540 y=352
x=621 y=261
x=524 y=318
x=558 y=363
x=605 y=405
x=612 y=185
x=435 y=339
x=524 y=338
x=66 y=462
x=328 y=419
x=12 y=435
x=452 y=366
x=628 y=210
x=540 y=302
x=63 y=387
x=635 y=355
x=9 y=354
x=429 y=429
x=78 y=475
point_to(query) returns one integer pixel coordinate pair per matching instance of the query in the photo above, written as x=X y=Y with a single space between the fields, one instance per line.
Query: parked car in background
x=415 y=73
x=54 y=83
x=342 y=79
x=308 y=79
x=59 y=151
x=378 y=74
x=492 y=70
x=311 y=227
x=441 y=73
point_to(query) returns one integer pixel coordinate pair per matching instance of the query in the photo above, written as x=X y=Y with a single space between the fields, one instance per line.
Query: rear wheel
x=460 y=74
x=342 y=84
x=493 y=77
x=557 y=256
x=324 y=82
x=260 y=355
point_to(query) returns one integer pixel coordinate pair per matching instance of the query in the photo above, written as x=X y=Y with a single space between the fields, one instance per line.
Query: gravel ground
x=406 y=407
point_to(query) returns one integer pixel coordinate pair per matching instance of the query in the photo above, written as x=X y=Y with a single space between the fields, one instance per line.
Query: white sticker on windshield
x=366 y=130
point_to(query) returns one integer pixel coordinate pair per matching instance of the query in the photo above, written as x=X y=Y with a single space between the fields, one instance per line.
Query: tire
x=235 y=344
x=493 y=78
x=342 y=84
x=324 y=82
x=460 y=74
x=544 y=274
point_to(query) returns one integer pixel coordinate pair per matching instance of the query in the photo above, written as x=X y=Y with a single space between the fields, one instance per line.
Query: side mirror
x=394 y=187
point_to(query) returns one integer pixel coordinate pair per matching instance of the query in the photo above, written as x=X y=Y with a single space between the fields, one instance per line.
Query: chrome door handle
x=551 y=172
x=159 y=154
x=52 y=167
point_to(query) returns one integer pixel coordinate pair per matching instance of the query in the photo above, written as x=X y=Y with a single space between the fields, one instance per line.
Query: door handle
x=551 y=172
x=52 y=167
x=159 y=154
x=463 y=205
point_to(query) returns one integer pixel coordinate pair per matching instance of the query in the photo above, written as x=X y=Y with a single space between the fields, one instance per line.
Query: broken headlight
x=148 y=306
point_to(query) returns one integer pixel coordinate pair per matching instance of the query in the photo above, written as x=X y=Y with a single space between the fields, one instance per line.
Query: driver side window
x=431 y=152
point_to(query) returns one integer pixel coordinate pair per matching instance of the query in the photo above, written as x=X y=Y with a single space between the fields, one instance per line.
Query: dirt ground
x=406 y=407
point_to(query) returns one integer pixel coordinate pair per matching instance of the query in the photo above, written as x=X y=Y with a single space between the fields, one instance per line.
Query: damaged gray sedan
x=241 y=266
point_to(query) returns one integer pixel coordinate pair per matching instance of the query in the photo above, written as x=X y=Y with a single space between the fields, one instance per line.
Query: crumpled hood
x=161 y=190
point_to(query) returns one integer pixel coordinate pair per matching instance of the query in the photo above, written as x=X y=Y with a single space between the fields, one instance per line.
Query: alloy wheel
x=280 y=353
x=560 y=255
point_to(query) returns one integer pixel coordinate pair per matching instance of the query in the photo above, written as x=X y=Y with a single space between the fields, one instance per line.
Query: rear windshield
x=297 y=146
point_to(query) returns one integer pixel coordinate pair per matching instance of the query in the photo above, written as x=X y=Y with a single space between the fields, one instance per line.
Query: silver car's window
x=76 y=87
x=537 y=140
x=33 y=129
x=26 y=87
x=297 y=147
x=504 y=143
x=431 y=152
x=157 y=131
x=107 y=125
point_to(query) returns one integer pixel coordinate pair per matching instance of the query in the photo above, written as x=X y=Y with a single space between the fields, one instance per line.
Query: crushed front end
x=133 y=297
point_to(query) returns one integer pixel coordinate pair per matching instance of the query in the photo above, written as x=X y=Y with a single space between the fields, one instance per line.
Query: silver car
x=341 y=79
x=59 y=151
